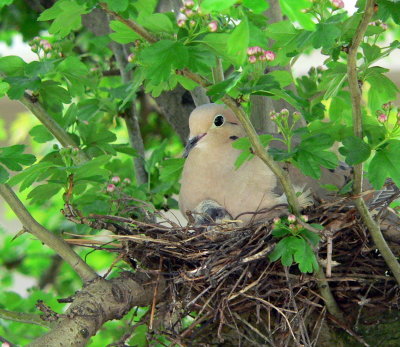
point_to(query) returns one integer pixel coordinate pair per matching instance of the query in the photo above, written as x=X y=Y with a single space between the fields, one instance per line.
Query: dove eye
x=219 y=120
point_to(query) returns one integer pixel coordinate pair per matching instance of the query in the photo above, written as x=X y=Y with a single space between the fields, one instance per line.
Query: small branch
x=326 y=293
x=28 y=318
x=53 y=241
x=33 y=105
x=218 y=71
x=131 y=24
x=355 y=93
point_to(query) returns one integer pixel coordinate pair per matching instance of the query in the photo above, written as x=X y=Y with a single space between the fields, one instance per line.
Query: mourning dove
x=211 y=185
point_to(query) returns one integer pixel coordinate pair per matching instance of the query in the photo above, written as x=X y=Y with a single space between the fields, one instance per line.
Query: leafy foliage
x=73 y=79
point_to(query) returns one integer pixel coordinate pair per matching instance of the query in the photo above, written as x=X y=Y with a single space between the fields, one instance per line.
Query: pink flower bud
x=387 y=106
x=181 y=23
x=251 y=51
x=110 y=188
x=192 y=23
x=213 y=26
x=337 y=3
x=292 y=226
x=127 y=181
x=284 y=112
x=188 y=3
x=131 y=57
x=46 y=46
x=384 y=26
x=252 y=59
x=188 y=13
x=277 y=220
x=115 y=179
x=304 y=218
x=291 y=218
x=267 y=56
x=382 y=118
x=296 y=115
x=273 y=115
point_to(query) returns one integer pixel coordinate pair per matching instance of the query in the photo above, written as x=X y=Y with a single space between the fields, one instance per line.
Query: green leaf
x=381 y=90
x=93 y=166
x=44 y=192
x=19 y=84
x=67 y=17
x=171 y=169
x=32 y=174
x=163 y=56
x=117 y=5
x=216 y=5
x=385 y=164
x=218 y=90
x=123 y=34
x=13 y=157
x=293 y=9
x=244 y=145
x=262 y=86
x=200 y=59
x=12 y=65
x=158 y=23
x=257 y=6
x=40 y=134
x=313 y=238
x=4 y=86
x=355 y=150
x=238 y=42
x=325 y=35
x=5 y=3
x=3 y=175
x=371 y=52
x=305 y=257
x=311 y=153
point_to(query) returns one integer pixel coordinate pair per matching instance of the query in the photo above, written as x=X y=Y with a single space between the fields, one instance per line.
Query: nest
x=222 y=289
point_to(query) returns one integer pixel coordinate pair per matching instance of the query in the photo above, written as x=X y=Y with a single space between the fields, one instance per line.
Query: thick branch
x=53 y=241
x=28 y=318
x=355 y=93
x=98 y=302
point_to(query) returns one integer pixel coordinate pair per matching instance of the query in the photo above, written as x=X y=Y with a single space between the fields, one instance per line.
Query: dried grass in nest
x=224 y=275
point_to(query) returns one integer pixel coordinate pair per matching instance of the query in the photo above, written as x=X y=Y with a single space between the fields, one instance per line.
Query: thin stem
x=218 y=71
x=28 y=318
x=355 y=93
x=131 y=24
x=53 y=241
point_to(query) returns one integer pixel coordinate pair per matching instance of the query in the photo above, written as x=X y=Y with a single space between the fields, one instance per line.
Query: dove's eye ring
x=219 y=120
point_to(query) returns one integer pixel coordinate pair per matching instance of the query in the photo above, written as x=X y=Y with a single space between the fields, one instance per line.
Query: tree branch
x=355 y=93
x=22 y=317
x=53 y=241
x=98 y=302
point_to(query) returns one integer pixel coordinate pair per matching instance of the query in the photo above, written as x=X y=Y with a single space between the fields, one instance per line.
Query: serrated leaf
x=355 y=150
x=67 y=15
x=44 y=192
x=244 y=145
x=325 y=35
x=305 y=257
x=238 y=42
x=122 y=33
x=293 y=9
x=220 y=89
x=12 y=65
x=170 y=169
x=117 y=5
x=13 y=157
x=385 y=164
x=257 y=6
x=19 y=84
x=158 y=23
x=381 y=90
x=216 y=5
x=40 y=134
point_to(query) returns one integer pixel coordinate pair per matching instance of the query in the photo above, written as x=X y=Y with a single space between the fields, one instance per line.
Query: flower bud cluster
x=187 y=17
x=337 y=3
x=283 y=114
x=291 y=221
x=115 y=181
x=379 y=23
x=44 y=47
x=257 y=53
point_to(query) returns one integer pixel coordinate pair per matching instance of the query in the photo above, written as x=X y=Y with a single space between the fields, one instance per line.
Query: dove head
x=212 y=123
